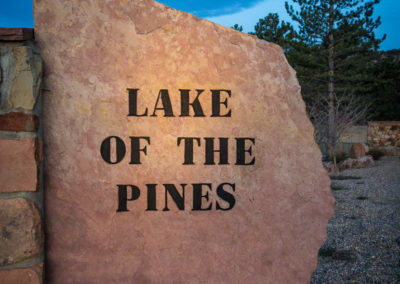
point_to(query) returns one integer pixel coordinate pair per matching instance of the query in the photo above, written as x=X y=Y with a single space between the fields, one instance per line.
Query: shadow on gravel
x=362 y=198
x=336 y=187
x=346 y=255
x=338 y=177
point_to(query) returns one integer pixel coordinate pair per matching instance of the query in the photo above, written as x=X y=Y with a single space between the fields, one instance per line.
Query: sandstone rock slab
x=19 y=121
x=16 y=34
x=21 y=76
x=30 y=275
x=20 y=230
x=18 y=165
x=21 y=93
x=93 y=52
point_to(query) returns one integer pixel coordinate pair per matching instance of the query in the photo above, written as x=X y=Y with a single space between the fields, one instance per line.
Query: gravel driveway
x=363 y=244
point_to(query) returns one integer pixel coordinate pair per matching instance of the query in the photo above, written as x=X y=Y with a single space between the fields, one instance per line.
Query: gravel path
x=363 y=243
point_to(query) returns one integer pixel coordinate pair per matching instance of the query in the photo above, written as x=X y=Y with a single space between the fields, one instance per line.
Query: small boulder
x=357 y=151
x=329 y=167
x=361 y=162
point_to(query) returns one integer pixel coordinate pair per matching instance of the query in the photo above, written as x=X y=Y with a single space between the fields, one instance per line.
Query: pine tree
x=386 y=86
x=272 y=30
x=335 y=46
x=237 y=28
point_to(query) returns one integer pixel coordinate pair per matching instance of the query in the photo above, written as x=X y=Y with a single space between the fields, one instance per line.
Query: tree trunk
x=331 y=89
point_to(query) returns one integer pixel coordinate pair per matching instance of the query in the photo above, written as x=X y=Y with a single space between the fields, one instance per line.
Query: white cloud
x=221 y=11
x=248 y=17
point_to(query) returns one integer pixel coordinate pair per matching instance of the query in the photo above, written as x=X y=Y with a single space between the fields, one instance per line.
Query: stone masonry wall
x=21 y=192
x=385 y=135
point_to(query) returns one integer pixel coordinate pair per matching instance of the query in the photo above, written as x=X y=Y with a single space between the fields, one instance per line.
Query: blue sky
x=18 y=13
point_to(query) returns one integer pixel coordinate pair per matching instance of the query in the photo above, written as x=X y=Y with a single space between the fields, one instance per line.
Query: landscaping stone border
x=21 y=170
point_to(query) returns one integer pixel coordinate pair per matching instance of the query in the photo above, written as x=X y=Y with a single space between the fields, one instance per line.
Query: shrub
x=347 y=255
x=340 y=157
x=375 y=153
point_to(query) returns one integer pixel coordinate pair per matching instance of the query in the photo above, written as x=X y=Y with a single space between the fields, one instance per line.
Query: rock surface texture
x=21 y=76
x=18 y=165
x=385 y=135
x=18 y=121
x=21 y=231
x=93 y=51
x=31 y=275
x=21 y=170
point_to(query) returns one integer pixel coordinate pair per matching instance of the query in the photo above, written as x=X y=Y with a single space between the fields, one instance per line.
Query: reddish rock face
x=18 y=166
x=18 y=121
x=31 y=275
x=279 y=206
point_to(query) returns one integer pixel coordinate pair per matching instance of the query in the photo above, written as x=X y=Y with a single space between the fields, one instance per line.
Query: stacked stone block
x=385 y=135
x=21 y=202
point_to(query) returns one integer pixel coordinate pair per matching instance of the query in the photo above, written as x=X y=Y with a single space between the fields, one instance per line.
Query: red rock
x=30 y=275
x=94 y=51
x=21 y=230
x=357 y=150
x=19 y=121
x=16 y=34
x=18 y=167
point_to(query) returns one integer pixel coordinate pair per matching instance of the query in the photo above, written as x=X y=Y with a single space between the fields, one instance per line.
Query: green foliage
x=270 y=29
x=375 y=153
x=351 y=27
x=358 y=69
x=385 y=93
x=237 y=28
x=333 y=50
x=344 y=79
